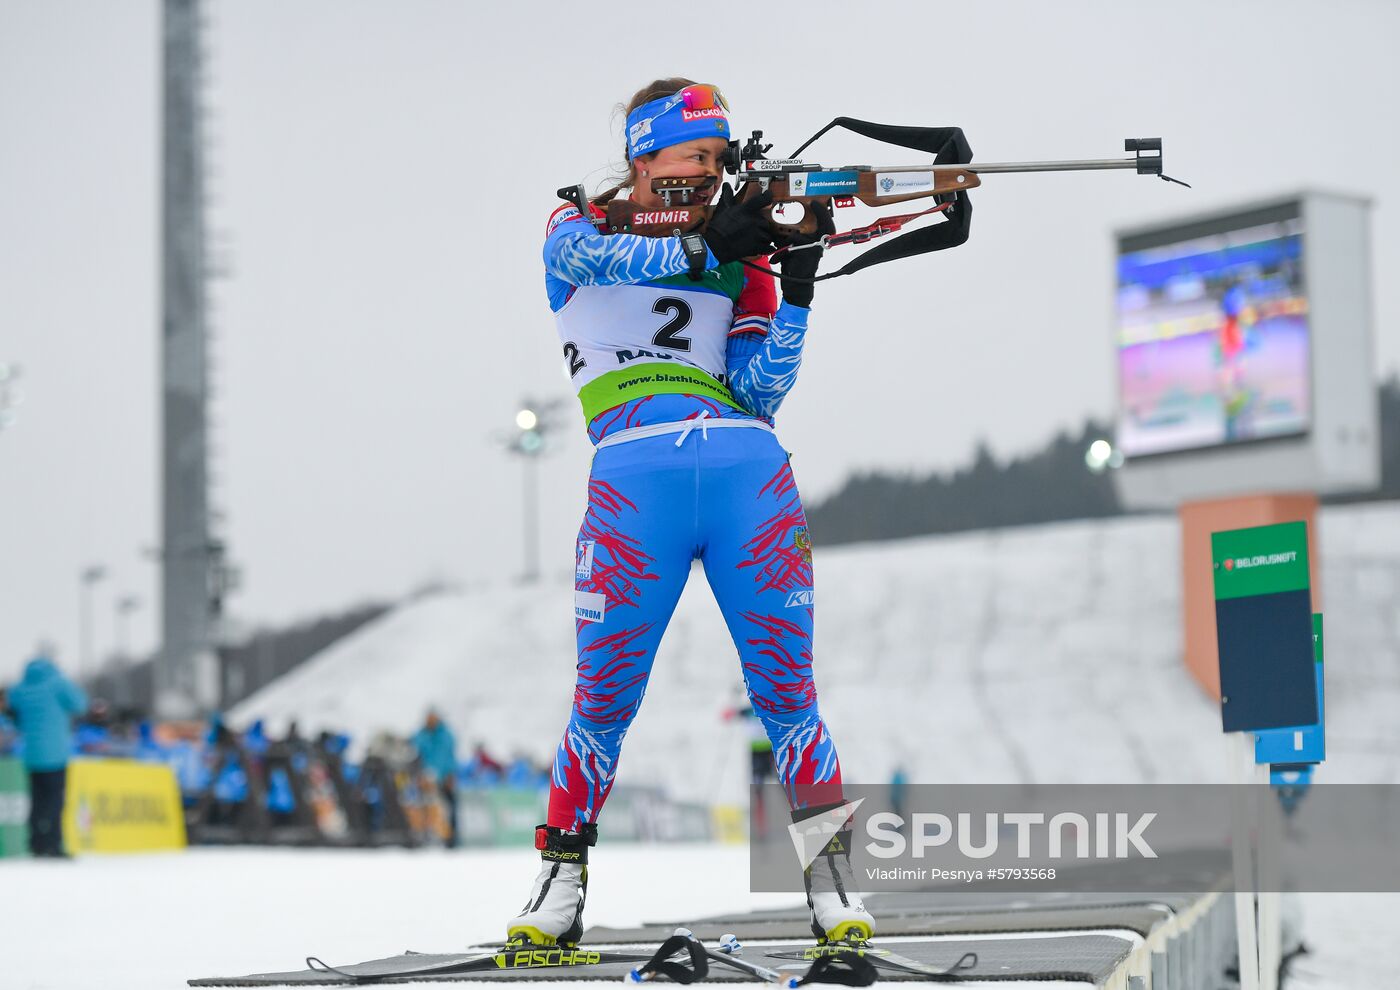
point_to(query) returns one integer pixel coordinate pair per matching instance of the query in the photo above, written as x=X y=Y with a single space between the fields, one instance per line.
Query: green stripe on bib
x=727 y=279
x=626 y=384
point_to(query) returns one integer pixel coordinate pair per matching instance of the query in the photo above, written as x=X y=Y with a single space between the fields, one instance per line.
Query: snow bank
x=1045 y=654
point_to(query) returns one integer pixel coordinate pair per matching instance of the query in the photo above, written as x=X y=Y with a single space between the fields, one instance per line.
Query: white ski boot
x=554 y=913
x=838 y=914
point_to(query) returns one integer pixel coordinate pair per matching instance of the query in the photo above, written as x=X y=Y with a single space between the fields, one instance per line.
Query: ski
x=432 y=965
x=512 y=956
x=881 y=958
x=516 y=956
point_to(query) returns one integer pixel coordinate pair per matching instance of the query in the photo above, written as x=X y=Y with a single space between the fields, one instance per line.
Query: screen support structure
x=1252 y=916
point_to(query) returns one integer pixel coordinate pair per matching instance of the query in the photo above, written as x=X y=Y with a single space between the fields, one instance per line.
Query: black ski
x=505 y=957
x=881 y=958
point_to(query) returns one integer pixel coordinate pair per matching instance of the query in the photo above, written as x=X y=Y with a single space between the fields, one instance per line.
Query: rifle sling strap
x=949 y=146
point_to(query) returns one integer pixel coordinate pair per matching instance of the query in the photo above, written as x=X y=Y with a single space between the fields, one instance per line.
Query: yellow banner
x=122 y=806
x=730 y=823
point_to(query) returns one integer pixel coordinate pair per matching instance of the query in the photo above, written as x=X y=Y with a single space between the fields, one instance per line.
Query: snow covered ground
x=1045 y=654
x=150 y=922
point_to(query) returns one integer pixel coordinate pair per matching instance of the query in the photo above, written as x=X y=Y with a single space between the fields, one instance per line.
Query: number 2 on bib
x=669 y=335
x=576 y=363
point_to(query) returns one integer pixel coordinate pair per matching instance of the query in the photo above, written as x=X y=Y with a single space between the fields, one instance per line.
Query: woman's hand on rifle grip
x=802 y=264
x=739 y=230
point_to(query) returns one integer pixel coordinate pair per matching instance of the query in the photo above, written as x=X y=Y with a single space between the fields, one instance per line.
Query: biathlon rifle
x=800 y=189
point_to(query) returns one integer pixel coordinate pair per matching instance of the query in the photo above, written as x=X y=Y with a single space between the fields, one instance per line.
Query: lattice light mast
x=186 y=673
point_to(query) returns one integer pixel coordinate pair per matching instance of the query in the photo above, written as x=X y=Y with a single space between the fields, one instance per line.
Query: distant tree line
x=258 y=660
x=244 y=667
x=1048 y=485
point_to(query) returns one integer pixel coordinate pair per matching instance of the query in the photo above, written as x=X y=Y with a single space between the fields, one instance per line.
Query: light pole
x=125 y=605
x=122 y=690
x=87 y=578
x=534 y=422
x=530 y=444
x=10 y=395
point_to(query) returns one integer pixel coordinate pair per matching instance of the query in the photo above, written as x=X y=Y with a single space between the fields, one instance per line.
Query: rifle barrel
x=1080 y=165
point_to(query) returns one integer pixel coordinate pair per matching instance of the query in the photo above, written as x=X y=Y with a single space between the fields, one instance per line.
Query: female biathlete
x=681 y=356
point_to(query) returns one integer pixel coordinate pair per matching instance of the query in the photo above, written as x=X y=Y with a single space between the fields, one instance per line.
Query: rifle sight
x=1149 y=164
x=752 y=150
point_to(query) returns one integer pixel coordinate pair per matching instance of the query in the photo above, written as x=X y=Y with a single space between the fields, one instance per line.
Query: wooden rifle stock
x=872 y=186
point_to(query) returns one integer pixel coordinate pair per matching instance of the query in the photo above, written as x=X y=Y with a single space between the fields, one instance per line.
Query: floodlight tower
x=535 y=422
x=186 y=683
x=10 y=395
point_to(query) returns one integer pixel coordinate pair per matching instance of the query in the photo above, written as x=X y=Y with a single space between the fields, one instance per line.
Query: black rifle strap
x=662 y=964
x=949 y=146
x=846 y=969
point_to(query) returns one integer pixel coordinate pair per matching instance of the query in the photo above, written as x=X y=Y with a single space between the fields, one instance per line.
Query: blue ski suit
x=679 y=379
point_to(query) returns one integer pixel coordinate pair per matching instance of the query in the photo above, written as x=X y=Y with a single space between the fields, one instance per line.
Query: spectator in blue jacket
x=437 y=749
x=45 y=703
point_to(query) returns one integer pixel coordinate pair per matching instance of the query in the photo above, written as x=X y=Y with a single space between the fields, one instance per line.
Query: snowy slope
x=1046 y=654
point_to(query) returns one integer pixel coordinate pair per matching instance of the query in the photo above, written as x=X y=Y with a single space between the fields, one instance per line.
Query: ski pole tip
x=633 y=977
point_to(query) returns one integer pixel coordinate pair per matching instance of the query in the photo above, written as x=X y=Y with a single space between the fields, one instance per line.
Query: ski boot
x=554 y=913
x=838 y=914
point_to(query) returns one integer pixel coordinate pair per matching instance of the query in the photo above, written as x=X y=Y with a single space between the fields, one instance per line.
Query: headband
x=695 y=112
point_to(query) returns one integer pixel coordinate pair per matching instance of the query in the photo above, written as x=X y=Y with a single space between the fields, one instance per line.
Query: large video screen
x=1213 y=344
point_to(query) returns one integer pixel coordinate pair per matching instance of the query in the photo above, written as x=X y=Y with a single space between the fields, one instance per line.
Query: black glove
x=739 y=230
x=802 y=264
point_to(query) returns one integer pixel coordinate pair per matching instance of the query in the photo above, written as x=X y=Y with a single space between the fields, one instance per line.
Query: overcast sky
x=380 y=175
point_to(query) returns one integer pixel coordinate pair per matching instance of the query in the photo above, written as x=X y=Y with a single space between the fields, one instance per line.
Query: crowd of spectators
x=245 y=785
